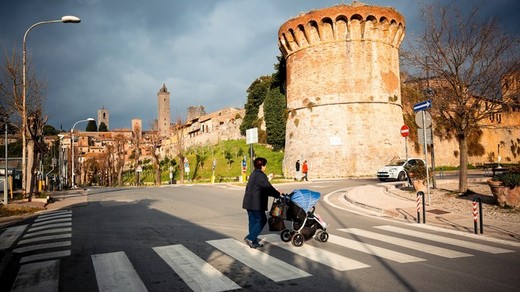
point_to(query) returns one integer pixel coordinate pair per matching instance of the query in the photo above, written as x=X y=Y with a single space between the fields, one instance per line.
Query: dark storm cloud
x=206 y=52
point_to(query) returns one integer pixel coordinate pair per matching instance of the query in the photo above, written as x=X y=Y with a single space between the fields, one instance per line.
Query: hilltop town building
x=343 y=88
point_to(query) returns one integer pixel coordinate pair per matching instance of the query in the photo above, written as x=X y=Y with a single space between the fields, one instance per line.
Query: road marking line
x=426 y=248
x=195 y=272
x=446 y=240
x=374 y=250
x=41 y=246
x=263 y=263
x=54 y=213
x=114 y=272
x=321 y=256
x=47 y=218
x=56 y=225
x=50 y=221
x=45 y=256
x=57 y=230
x=45 y=238
x=42 y=276
x=10 y=235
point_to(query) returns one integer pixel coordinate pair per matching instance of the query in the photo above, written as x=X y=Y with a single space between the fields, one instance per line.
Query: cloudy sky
x=206 y=52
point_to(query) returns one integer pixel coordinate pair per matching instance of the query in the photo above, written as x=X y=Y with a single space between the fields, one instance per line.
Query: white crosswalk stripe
x=53 y=216
x=52 y=225
x=374 y=250
x=10 y=235
x=45 y=256
x=54 y=213
x=446 y=240
x=426 y=248
x=45 y=238
x=42 y=246
x=195 y=272
x=41 y=276
x=319 y=255
x=259 y=261
x=51 y=220
x=48 y=231
x=114 y=272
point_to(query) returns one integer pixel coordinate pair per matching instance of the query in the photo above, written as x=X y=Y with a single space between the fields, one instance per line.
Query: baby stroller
x=305 y=223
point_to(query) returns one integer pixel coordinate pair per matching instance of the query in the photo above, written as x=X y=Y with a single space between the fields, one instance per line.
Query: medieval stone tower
x=103 y=117
x=343 y=91
x=163 y=117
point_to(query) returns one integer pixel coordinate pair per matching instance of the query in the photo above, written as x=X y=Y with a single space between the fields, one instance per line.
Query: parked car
x=396 y=169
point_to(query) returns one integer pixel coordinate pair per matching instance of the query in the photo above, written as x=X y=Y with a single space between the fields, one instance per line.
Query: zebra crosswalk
x=46 y=241
x=201 y=275
x=49 y=238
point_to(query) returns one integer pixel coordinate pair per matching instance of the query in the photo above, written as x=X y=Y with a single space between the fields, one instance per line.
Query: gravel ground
x=446 y=197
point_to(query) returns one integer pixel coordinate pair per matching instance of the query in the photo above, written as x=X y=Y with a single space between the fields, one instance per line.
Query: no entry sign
x=405 y=131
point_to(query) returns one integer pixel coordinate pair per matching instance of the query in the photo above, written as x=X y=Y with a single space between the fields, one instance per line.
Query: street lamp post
x=64 y=19
x=73 y=182
x=6 y=166
x=60 y=164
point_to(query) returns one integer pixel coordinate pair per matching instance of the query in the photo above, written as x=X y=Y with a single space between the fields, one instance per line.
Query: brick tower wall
x=343 y=92
x=103 y=117
x=163 y=117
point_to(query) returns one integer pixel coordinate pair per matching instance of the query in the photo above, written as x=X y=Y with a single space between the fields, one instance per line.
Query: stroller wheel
x=286 y=235
x=298 y=240
x=317 y=235
x=323 y=236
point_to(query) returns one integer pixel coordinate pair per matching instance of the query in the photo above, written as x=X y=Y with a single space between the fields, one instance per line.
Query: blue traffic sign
x=422 y=105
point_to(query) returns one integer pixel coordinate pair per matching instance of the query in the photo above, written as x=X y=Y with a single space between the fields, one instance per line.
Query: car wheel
x=401 y=176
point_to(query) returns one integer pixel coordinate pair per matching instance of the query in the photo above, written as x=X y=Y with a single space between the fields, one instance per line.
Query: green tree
x=49 y=130
x=91 y=126
x=102 y=127
x=229 y=157
x=279 y=76
x=274 y=112
x=257 y=92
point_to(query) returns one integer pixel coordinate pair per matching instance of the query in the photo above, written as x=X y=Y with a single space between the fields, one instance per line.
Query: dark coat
x=258 y=190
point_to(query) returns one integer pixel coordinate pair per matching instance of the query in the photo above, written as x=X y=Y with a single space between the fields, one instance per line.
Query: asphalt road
x=189 y=238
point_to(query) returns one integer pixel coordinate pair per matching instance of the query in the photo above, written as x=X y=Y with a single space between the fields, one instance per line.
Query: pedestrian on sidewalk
x=258 y=191
x=298 y=173
x=305 y=169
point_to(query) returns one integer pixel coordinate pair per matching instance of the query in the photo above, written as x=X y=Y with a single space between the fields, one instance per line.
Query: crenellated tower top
x=355 y=22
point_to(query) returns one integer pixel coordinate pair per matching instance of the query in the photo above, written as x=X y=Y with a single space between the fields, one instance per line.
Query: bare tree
x=178 y=129
x=119 y=151
x=136 y=136
x=153 y=149
x=468 y=58
x=11 y=98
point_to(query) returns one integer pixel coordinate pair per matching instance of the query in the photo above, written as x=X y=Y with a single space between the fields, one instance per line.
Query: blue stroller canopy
x=305 y=199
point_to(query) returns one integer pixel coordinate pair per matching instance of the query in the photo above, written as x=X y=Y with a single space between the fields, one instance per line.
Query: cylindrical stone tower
x=343 y=91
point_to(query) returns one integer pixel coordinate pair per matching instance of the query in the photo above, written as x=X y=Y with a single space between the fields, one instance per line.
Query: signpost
x=251 y=137
x=405 y=131
x=187 y=168
x=424 y=123
x=139 y=169
x=422 y=106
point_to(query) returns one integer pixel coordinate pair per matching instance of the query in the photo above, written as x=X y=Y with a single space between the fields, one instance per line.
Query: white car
x=396 y=169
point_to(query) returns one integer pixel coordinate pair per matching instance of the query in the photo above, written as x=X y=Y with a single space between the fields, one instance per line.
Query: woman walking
x=258 y=191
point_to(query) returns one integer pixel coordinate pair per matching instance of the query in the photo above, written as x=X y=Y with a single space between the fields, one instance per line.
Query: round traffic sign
x=405 y=131
x=427 y=119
